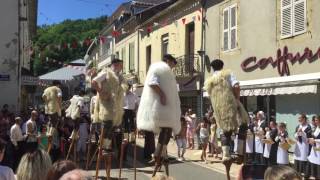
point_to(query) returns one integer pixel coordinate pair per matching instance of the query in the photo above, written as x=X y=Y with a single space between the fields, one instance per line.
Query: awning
x=279 y=90
x=296 y=84
x=64 y=74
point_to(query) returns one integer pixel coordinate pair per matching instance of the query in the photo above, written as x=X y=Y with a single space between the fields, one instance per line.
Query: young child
x=213 y=139
x=43 y=138
x=190 y=119
x=282 y=153
x=204 y=138
x=181 y=139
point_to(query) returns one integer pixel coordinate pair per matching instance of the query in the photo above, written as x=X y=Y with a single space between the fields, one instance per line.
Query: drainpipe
x=138 y=46
x=19 y=58
x=268 y=108
x=202 y=52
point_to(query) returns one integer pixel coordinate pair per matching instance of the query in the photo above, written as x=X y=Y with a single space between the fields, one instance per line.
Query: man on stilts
x=74 y=112
x=52 y=97
x=224 y=92
x=110 y=86
x=94 y=127
x=159 y=110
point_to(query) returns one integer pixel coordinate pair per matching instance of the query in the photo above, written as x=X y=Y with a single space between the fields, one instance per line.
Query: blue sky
x=55 y=11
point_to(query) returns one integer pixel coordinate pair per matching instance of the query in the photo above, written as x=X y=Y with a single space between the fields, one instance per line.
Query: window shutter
x=131 y=56
x=299 y=11
x=233 y=27
x=286 y=18
x=226 y=29
x=124 y=59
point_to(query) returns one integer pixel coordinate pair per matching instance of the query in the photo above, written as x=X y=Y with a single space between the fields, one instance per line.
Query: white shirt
x=204 y=133
x=267 y=147
x=93 y=104
x=6 y=173
x=232 y=78
x=258 y=142
x=24 y=128
x=249 y=142
x=59 y=93
x=154 y=80
x=103 y=76
x=100 y=77
x=260 y=122
x=85 y=108
x=301 y=150
x=32 y=131
x=80 y=103
x=16 y=134
x=130 y=101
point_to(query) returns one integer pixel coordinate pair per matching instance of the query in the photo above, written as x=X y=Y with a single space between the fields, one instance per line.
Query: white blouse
x=301 y=149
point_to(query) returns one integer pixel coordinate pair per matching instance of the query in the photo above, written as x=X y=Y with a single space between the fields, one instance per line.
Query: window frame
x=229 y=28
x=292 y=5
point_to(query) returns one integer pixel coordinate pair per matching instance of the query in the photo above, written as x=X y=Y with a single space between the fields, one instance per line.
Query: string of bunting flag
x=165 y=22
x=175 y=20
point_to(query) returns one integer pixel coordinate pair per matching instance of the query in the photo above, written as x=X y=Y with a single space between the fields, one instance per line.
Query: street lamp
x=86 y=57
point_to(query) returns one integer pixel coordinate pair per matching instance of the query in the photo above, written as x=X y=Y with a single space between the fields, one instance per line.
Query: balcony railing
x=188 y=65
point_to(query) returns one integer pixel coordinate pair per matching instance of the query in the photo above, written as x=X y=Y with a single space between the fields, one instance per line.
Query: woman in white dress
x=314 y=157
x=302 y=148
x=250 y=143
x=267 y=146
x=259 y=132
x=282 y=153
x=274 y=146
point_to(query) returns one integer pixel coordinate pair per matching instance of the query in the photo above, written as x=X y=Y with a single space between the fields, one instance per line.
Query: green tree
x=58 y=44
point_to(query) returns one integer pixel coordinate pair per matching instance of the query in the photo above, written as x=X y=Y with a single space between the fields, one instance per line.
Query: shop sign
x=281 y=62
x=29 y=80
x=4 y=77
x=258 y=92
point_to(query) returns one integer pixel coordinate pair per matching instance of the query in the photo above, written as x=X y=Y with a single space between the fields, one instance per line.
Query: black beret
x=170 y=58
x=217 y=64
x=116 y=60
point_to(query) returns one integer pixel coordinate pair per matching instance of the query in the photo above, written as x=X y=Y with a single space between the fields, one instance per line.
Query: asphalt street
x=188 y=170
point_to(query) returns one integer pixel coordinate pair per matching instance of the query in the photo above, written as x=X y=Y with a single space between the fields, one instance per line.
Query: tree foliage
x=61 y=43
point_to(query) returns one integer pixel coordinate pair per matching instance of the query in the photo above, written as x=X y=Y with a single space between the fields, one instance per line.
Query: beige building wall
x=9 y=55
x=124 y=44
x=177 y=39
x=258 y=34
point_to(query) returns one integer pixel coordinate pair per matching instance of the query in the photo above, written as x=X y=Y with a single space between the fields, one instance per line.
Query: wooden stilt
x=123 y=146
x=89 y=149
x=108 y=161
x=70 y=148
x=75 y=152
x=49 y=144
x=99 y=152
x=72 y=145
x=94 y=155
x=158 y=161
x=135 y=155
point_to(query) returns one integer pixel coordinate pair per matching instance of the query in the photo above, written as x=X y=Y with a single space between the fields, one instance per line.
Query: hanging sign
x=4 y=77
x=281 y=61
